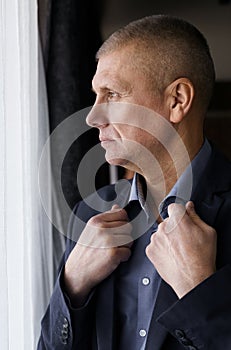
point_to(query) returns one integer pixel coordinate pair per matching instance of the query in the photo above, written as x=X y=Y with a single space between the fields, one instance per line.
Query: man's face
x=119 y=86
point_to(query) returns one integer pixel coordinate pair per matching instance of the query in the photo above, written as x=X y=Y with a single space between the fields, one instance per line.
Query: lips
x=103 y=139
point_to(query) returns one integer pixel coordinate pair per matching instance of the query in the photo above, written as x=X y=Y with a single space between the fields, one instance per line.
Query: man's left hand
x=183 y=250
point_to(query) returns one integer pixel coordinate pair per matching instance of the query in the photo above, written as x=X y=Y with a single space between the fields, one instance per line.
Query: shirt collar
x=183 y=188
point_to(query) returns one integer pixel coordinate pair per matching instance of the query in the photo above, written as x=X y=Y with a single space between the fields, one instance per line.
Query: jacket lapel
x=207 y=194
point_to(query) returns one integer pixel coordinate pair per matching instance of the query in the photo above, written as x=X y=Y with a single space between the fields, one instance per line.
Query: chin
x=123 y=163
x=117 y=161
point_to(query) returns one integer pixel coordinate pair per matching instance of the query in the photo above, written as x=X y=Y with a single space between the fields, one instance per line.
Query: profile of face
x=125 y=131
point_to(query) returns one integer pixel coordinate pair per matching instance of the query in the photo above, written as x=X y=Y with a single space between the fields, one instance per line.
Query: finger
x=123 y=241
x=116 y=228
x=149 y=251
x=115 y=206
x=124 y=253
x=176 y=210
x=121 y=224
x=117 y=241
x=190 y=208
x=116 y=214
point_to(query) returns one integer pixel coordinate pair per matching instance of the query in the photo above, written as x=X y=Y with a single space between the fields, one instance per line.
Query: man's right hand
x=104 y=244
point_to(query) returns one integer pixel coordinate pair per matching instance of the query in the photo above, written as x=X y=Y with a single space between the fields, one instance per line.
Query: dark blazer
x=200 y=320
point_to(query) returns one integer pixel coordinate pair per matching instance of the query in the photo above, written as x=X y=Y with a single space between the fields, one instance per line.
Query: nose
x=97 y=117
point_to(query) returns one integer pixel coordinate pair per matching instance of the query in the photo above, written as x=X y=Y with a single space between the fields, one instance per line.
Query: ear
x=180 y=96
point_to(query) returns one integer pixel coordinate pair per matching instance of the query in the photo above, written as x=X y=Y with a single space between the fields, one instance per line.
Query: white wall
x=212 y=18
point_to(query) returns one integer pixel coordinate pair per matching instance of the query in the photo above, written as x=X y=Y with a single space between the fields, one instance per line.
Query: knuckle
x=113 y=254
x=128 y=227
x=108 y=241
x=161 y=229
x=208 y=231
x=154 y=239
x=147 y=249
x=95 y=221
x=164 y=223
x=123 y=213
x=213 y=231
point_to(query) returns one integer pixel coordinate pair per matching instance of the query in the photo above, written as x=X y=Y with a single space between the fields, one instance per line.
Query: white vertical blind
x=4 y=321
x=12 y=173
x=26 y=269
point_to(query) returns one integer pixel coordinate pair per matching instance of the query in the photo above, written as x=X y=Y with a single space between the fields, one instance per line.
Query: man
x=148 y=273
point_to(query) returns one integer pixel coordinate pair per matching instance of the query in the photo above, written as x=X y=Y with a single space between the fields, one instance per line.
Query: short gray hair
x=169 y=48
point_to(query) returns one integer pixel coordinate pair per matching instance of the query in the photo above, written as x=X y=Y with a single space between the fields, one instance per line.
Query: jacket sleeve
x=63 y=327
x=60 y=319
x=202 y=318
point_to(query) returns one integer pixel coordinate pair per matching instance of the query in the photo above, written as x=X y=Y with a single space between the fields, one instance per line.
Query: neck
x=160 y=179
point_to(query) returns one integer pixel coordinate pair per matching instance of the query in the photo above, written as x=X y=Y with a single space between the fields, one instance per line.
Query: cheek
x=135 y=140
x=140 y=137
x=131 y=133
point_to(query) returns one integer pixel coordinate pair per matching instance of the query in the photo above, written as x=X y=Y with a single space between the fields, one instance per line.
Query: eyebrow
x=118 y=86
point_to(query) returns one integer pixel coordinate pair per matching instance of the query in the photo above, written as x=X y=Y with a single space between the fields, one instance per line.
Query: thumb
x=190 y=209
x=115 y=206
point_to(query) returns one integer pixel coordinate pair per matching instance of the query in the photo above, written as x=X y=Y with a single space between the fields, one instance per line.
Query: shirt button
x=142 y=333
x=145 y=281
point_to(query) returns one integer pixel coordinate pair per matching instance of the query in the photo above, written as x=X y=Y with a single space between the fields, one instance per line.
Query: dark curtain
x=73 y=38
x=70 y=36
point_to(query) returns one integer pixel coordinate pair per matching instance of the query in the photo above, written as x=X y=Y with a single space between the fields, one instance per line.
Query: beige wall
x=213 y=19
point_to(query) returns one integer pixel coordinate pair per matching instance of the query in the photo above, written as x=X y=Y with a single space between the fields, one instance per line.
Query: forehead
x=115 y=68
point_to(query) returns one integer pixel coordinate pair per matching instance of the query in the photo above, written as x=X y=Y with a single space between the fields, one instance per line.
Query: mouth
x=106 y=143
x=105 y=139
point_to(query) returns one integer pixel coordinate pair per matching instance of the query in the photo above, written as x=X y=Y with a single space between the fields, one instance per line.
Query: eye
x=112 y=95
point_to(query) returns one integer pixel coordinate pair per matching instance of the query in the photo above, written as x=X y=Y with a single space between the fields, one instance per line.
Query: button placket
x=144 y=282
